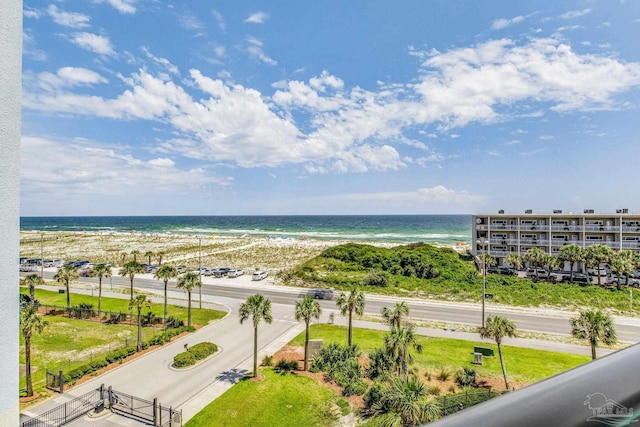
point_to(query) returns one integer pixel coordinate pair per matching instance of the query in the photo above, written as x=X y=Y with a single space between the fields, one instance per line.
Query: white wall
x=10 y=88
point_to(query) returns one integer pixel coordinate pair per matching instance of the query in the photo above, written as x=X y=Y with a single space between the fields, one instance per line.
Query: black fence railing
x=147 y=411
x=602 y=392
x=68 y=411
x=450 y=404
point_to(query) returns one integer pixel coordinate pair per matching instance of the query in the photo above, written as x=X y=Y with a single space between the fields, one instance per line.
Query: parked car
x=580 y=278
x=322 y=294
x=507 y=271
x=259 y=275
x=613 y=280
x=181 y=269
x=235 y=273
x=28 y=267
x=602 y=272
x=492 y=270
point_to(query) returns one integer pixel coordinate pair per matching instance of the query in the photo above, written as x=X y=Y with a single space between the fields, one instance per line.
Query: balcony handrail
x=569 y=399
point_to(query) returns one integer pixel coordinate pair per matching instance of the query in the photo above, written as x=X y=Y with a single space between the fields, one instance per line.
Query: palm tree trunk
x=350 y=316
x=68 y=299
x=99 y=298
x=255 y=352
x=306 y=345
x=618 y=285
x=164 y=320
x=131 y=288
x=571 y=265
x=504 y=369
x=139 y=346
x=593 y=351
x=32 y=293
x=599 y=279
x=27 y=357
x=189 y=311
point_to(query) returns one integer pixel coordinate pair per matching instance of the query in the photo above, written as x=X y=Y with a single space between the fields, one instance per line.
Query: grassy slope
x=278 y=400
x=523 y=364
x=458 y=281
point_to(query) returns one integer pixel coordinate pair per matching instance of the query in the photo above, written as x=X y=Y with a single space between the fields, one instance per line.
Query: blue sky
x=147 y=107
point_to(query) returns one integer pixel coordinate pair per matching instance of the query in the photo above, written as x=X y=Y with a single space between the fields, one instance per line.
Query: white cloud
x=30 y=12
x=257 y=18
x=219 y=19
x=29 y=48
x=162 y=162
x=93 y=170
x=164 y=62
x=494 y=153
x=93 y=42
x=501 y=23
x=65 y=78
x=575 y=14
x=190 y=22
x=68 y=19
x=122 y=6
x=434 y=197
x=546 y=137
x=512 y=142
x=255 y=51
x=533 y=152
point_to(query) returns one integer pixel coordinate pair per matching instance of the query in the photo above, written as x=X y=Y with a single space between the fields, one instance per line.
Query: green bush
x=267 y=360
x=183 y=359
x=373 y=395
x=286 y=366
x=202 y=350
x=466 y=377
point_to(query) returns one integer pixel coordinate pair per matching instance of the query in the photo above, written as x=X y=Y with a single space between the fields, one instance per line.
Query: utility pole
x=200 y=268
x=42 y=257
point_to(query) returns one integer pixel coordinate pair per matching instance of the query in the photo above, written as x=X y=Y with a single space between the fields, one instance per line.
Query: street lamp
x=483 y=242
x=200 y=268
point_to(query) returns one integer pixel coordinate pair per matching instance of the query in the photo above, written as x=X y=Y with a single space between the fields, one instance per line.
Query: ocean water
x=446 y=229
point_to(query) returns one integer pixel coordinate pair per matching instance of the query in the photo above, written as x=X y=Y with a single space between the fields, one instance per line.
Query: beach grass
x=523 y=364
x=278 y=400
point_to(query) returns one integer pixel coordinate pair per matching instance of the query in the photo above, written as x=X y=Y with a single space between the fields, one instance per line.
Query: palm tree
x=32 y=280
x=394 y=316
x=571 y=254
x=405 y=402
x=149 y=254
x=349 y=304
x=514 y=260
x=622 y=262
x=257 y=307
x=139 y=302
x=187 y=283
x=595 y=327
x=165 y=273
x=307 y=309
x=131 y=269
x=135 y=254
x=123 y=257
x=160 y=254
x=549 y=262
x=30 y=322
x=497 y=327
x=535 y=257
x=66 y=274
x=596 y=256
x=100 y=271
x=397 y=347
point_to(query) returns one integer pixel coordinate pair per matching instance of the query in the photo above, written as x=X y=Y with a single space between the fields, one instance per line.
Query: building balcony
x=566 y=228
x=605 y=228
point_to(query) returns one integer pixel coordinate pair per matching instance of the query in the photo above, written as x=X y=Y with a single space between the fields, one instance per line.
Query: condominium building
x=502 y=234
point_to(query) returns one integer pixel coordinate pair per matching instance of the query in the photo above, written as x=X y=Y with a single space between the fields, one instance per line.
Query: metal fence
x=147 y=411
x=55 y=381
x=68 y=411
x=90 y=313
x=453 y=403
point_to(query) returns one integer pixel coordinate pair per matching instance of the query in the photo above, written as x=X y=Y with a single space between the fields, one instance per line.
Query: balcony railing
x=606 y=228
x=566 y=228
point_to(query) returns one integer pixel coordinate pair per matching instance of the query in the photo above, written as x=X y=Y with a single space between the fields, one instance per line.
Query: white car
x=235 y=273
x=259 y=275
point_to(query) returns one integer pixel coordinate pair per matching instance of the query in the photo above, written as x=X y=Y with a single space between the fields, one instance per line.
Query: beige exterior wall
x=503 y=233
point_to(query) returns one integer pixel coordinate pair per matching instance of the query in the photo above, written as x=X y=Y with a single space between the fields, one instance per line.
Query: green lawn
x=198 y=316
x=523 y=364
x=278 y=400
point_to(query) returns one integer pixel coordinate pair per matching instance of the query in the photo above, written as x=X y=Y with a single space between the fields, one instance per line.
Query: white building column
x=10 y=94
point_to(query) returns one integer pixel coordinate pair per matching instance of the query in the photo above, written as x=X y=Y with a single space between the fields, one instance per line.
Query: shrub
x=183 y=359
x=286 y=366
x=376 y=278
x=267 y=361
x=435 y=390
x=174 y=322
x=354 y=388
x=466 y=377
x=444 y=374
x=202 y=350
x=373 y=395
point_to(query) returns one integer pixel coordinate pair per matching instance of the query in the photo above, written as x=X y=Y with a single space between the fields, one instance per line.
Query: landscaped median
x=194 y=354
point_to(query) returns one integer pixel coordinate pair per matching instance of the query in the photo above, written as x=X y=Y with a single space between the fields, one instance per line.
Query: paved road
x=542 y=321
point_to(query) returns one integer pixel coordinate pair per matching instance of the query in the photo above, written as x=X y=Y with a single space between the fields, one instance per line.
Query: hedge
x=183 y=359
x=202 y=350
